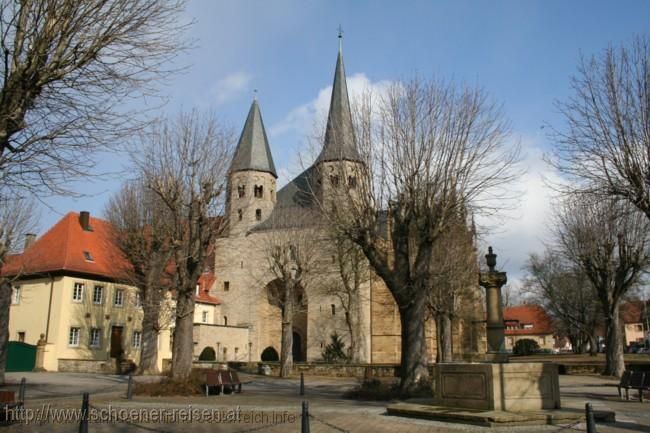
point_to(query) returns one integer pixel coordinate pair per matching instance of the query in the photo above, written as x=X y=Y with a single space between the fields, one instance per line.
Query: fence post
x=589 y=417
x=129 y=388
x=21 y=390
x=85 y=405
x=302 y=383
x=304 y=428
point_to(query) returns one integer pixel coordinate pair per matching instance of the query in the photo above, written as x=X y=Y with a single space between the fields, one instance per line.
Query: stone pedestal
x=516 y=387
x=40 y=354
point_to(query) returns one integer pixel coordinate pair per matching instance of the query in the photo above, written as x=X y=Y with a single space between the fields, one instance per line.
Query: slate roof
x=527 y=314
x=67 y=247
x=253 y=151
x=339 y=135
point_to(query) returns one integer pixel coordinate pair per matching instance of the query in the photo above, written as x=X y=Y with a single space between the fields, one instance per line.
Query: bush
x=193 y=385
x=525 y=346
x=335 y=351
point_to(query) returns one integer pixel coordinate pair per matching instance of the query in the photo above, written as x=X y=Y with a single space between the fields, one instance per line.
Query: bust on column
x=492 y=281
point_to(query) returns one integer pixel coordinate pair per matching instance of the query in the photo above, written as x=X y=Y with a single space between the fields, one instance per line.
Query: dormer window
x=88 y=256
x=241 y=191
x=258 y=191
x=198 y=289
x=334 y=180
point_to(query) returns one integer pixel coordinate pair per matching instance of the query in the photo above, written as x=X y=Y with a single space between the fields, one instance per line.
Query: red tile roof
x=633 y=311
x=521 y=315
x=67 y=247
x=206 y=280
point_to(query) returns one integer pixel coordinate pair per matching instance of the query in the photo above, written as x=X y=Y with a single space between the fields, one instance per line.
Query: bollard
x=589 y=417
x=129 y=388
x=304 y=428
x=21 y=390
x=85 y=406
x=302 y=383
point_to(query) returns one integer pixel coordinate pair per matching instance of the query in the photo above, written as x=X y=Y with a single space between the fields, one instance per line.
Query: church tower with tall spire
x=252 y=177
x=339 y=164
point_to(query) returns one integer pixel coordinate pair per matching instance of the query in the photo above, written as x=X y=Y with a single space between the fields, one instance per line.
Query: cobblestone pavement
x=273 y=405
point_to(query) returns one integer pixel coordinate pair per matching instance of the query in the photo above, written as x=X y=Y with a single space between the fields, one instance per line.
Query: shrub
x=335 y=351
x=525 y=346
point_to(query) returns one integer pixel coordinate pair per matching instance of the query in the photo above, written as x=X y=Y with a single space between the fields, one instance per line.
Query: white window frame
x=78 y=299
x=101 y=295
x=74 y=337
x=16 y=293
x=136 y=340
x=119 y=292
x=95 y=332
x=138 y=299
x=204 y=316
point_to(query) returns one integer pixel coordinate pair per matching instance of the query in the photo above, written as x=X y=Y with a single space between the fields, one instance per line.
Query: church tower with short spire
x=252 y=177
x=339 y=164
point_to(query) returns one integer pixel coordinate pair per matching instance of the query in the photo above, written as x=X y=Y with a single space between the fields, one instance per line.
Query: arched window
x=258 y=214
x=241 y=191
x=352 y=182
x=258 y=191
x=270 y=355
x=240 y=214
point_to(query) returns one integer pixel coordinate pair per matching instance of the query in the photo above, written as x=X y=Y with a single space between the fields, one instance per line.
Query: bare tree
x=352 y=272
x=566 y=293
x=608 y=241
x=604 y=147
x=17 y=218
x=292 y=255
x=68 y=69
x=185 y=163
x=431 y=148
x=453 y=277
x=142 y=232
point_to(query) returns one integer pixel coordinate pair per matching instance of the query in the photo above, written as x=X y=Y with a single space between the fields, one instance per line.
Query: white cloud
x=231 y=86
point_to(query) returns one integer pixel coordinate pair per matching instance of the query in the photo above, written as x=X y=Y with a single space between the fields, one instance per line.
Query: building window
x=88 y=256
x=138 y=299
x=15 y=295
x=98 y=295
x=78 y=292
x=95 y=337
x=352 y=182
x=137 y=339
x=225 y=320
x=204 y=317
x=240 y=214
x=118 y=301
x=241 y=191
x=334 y=180
x=73 y=337
x=198 y=289
x=21 y=336
x=258 y=214
x=333 y=309
x=226 y=286
x=258 y=191
x=527 y=326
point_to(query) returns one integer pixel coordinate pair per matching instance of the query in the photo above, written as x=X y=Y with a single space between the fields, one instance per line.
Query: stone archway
x=274 y=293
x=208 y=354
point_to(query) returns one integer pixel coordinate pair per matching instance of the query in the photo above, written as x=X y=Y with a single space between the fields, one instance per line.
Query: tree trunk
x=593 y=345
x=614 y=362
x=414 y=359
x=286 y=349
x=5 y=307
x=149 y=352
x=183 y=347
x=444 y=342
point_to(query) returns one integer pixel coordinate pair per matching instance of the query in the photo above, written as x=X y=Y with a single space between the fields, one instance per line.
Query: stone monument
x=495 y=384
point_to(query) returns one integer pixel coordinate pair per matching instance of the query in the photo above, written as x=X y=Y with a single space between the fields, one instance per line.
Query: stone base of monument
x=494 y=394
x=493 y=418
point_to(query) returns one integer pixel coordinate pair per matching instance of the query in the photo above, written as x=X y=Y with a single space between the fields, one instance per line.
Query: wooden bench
x=8 y=403
x=624 y=383
x=222 y=381
x=636 y=381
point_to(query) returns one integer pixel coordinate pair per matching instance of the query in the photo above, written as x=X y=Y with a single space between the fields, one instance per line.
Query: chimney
x=84 y=220
x=29 y=240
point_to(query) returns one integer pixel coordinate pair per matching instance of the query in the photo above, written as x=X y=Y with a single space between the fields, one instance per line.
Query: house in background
x=636 y=321
x=528 y=321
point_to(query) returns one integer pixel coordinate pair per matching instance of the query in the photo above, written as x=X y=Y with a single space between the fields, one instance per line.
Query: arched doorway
x=275 y=296
x=208 y=354
x=270 y=355
x=296 y=350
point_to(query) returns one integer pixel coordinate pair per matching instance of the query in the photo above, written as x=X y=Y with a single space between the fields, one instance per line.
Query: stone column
x=492 y=281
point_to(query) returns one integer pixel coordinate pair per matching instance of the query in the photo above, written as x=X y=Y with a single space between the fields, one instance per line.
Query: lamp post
x=492 y=281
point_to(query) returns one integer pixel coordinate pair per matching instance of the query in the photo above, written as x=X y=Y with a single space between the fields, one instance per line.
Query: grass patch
x=193 y=385
x=378 y=390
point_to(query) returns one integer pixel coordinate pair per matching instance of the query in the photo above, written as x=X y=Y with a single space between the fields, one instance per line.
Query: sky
x=522 y=53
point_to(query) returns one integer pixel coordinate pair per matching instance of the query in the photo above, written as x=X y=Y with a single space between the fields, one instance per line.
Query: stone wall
x=87 y=366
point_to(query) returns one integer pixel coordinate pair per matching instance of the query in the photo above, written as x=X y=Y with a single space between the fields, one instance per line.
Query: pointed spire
x=339 y=135
x=253 y=151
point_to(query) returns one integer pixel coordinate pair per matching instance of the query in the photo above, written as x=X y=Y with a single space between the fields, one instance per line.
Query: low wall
x=86 y=366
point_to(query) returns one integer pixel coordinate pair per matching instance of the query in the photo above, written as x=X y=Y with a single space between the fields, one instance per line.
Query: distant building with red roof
x=528 y=321
x=636 y=321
